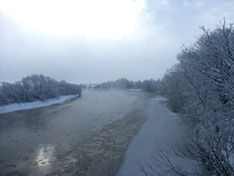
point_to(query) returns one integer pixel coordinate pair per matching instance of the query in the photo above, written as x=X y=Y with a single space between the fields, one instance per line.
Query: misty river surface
x=87 y=136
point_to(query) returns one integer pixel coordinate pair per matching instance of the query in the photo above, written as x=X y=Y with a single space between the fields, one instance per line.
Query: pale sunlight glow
x=44 y=155
x=114 y=19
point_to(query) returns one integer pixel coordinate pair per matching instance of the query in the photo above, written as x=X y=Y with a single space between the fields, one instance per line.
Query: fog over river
x=88 y=136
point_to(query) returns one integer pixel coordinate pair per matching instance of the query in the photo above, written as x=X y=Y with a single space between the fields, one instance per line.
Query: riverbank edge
x=144 y=145
x=36 y=104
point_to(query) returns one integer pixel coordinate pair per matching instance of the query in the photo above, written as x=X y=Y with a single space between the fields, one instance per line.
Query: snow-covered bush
x=35 y=87
x=201 y=88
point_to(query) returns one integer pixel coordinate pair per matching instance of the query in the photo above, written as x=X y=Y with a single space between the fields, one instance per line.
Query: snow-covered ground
x=35 y=104
x=161 y=131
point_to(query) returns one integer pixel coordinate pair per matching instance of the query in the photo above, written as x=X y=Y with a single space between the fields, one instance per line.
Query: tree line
x=35 y=87
x=122 y=83
x=201 y=88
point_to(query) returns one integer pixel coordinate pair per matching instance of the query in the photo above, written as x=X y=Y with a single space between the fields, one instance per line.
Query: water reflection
x=44 y=155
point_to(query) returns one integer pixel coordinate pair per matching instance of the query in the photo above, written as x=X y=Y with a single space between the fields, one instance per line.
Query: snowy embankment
x=160 y=132
x=35 y=104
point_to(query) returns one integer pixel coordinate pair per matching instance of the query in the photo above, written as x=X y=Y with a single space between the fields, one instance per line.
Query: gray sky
x=91 y=41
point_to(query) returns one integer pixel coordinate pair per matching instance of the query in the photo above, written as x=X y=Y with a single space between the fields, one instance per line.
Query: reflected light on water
x=44 y=155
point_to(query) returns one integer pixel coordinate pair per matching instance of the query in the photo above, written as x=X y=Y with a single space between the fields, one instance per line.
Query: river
x=87 y=136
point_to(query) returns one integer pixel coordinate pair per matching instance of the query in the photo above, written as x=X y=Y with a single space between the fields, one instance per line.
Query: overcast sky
x=91 y=41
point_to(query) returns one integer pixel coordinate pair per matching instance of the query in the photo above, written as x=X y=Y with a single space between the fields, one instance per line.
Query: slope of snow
x=161 y=131
x=36 y=104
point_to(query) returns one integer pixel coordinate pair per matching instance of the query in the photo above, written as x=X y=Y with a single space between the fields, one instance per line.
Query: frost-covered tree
x=150 y=85
x=201 y=87
x=35 y=87
x=122 y=83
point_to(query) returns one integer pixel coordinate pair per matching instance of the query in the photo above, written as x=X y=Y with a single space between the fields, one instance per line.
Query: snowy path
x=35 y=104
x=161 y=131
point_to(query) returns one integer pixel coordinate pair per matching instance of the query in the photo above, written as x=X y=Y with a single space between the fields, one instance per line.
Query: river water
x=87 y=136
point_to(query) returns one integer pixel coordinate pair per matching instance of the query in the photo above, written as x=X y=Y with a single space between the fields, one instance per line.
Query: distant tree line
x=201 y=88
x=122 y=83
x=35 y=87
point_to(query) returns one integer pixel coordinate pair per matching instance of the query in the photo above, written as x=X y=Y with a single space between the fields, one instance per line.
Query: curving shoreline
x=35 y=104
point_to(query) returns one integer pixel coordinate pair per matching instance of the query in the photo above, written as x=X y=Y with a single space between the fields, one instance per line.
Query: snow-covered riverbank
x=160 y=132
x=35 y=104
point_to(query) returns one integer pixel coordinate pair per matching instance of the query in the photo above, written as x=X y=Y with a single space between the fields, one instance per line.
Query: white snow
x=36 y=104
x=161 y=131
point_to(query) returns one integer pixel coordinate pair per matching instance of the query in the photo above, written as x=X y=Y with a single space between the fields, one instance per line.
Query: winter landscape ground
x=162 y=132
